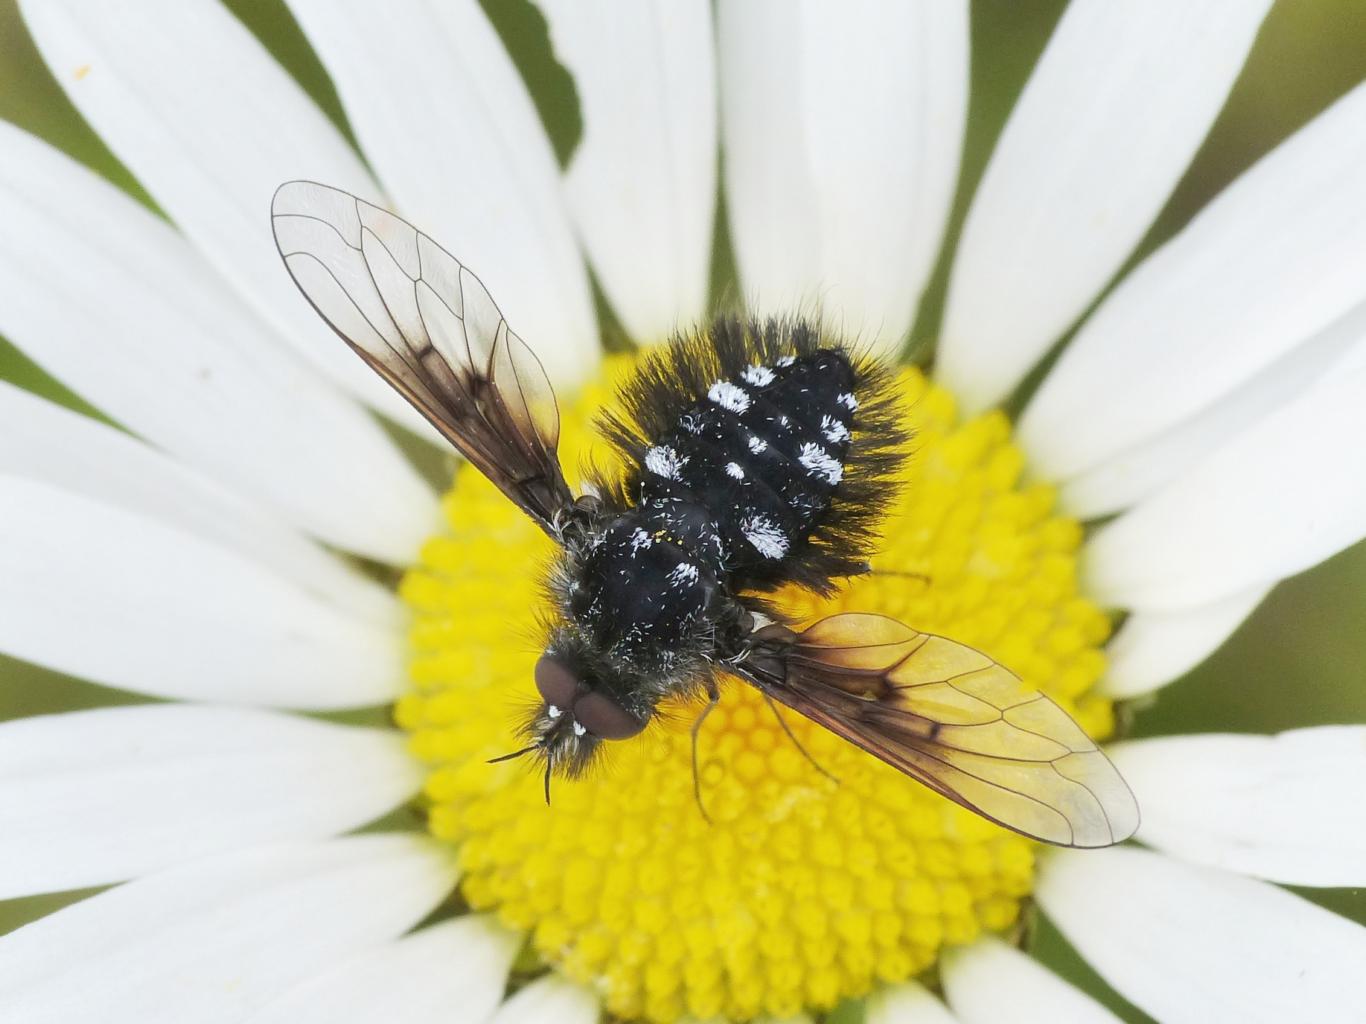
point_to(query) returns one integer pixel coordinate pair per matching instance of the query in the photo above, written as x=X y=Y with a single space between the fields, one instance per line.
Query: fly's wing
x=429 y=327
x=953 y=719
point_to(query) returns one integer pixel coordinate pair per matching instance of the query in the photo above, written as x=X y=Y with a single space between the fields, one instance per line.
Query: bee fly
x=756 y=455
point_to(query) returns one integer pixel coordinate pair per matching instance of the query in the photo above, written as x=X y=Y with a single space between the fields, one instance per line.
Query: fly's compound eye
x=605 y=718
x=558 y=683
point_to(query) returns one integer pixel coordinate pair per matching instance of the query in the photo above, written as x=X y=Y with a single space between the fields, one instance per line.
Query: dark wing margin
x=951 y=718
x=430 y=328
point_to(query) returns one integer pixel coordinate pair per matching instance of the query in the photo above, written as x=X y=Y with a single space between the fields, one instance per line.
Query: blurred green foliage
x=1299 y=660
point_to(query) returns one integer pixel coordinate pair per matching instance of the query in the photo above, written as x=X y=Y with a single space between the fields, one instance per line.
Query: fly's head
x=585 y=700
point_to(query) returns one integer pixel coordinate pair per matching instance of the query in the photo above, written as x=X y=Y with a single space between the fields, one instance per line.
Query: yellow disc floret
x=800 y=891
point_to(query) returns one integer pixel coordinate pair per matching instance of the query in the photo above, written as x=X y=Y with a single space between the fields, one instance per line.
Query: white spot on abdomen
x=759 y=376
x=834 y=430
x=640 y=539
x=757 y=444
x=848 y=401
x=787 y=360
x=764 y=536
x=683 y=574
x=661 y=460
x=821 y=463
x=735 y=470
x=729 y=396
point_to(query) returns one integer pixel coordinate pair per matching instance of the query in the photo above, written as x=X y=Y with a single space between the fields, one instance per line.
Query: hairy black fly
x=758 y=454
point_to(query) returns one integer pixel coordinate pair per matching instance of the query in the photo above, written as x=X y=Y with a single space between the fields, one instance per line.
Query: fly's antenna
x=515 y=754
x=522 y=753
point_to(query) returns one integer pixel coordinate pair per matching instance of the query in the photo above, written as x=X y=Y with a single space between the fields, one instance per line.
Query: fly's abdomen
x=764 y=452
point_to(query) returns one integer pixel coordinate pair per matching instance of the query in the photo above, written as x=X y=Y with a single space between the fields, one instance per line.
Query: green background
x=1297 y=661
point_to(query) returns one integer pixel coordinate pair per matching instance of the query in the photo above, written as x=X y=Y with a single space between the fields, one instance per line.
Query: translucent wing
x=950 y=717
x=428 y=327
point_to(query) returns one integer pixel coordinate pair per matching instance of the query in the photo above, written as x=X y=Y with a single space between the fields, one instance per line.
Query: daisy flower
x=218 y=535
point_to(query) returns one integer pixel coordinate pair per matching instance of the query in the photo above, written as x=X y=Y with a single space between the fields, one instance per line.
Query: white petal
x=450 y=129
x=908 y=1003
x=1152 y=649
x=549 y=999
x=116 y=305
x=453 y=971
x=150 y=81
x=92 y=797
x=1129 y=476
x=990 y=981
x=1266 y=266
x=47 y=443
x=212 y=941
x=119 y=599
x=1276 y=500
x=1194 y=944
x=843 y=126
x=1116 y=108
x=1287 y=808
x=642 y=183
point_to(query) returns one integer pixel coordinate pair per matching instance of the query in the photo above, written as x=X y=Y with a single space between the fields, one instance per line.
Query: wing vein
x=487 y=414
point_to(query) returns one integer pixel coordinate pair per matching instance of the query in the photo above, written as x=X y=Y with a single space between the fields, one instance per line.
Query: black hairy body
x=756 y=454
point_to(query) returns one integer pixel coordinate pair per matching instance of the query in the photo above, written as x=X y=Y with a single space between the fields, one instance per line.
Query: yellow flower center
x=800 y=891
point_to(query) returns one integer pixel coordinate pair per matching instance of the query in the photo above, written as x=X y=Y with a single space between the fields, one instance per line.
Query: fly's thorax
x=641 y=595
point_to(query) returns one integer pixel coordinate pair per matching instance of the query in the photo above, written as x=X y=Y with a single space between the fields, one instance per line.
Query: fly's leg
x=713 y=698
x=796 y=742
x=903 y=575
